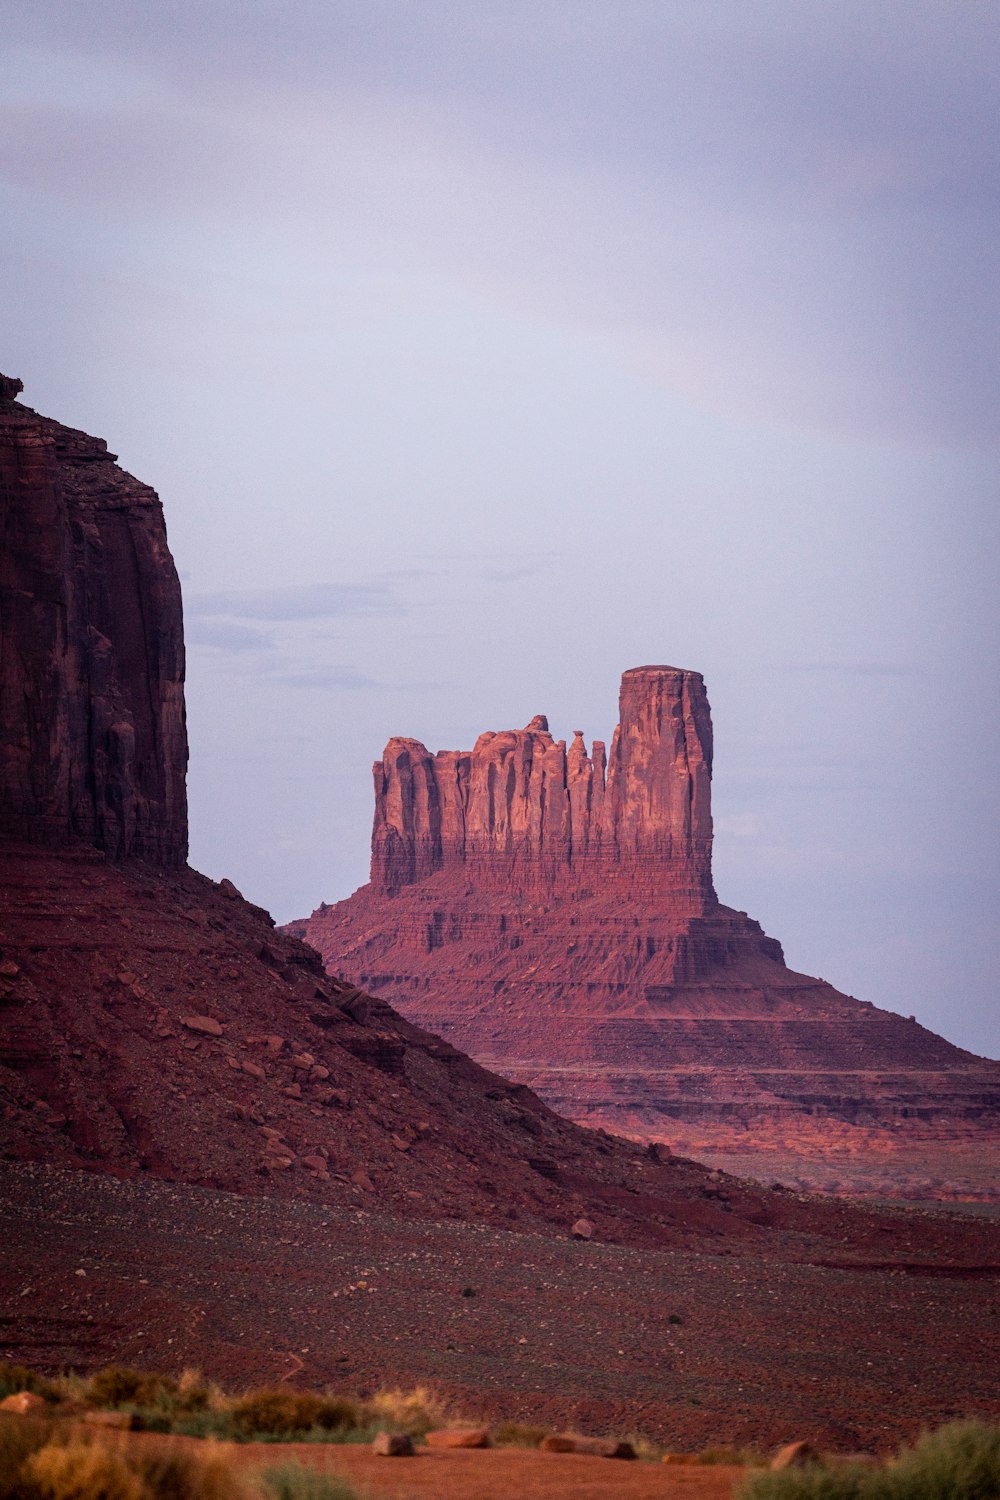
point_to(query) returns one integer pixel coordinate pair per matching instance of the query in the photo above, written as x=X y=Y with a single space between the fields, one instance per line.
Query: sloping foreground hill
x=155 y=1023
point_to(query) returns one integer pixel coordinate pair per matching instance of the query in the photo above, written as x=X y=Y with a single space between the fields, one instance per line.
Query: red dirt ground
x=558 y=1332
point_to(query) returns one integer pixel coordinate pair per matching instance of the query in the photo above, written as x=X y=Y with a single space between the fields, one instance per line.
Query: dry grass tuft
x=83 y=1471
x=417 y=1412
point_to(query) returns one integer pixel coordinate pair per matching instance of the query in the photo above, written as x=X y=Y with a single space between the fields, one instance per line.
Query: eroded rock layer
x=552 y=913
x=91 y=649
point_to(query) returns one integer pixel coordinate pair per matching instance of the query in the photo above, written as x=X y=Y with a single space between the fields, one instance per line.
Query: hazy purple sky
x=480 y=351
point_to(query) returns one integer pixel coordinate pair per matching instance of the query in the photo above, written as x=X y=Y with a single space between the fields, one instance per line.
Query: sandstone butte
x=551 y=912
x=285 y=1179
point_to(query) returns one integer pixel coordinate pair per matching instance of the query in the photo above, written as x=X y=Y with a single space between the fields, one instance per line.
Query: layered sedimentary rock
x=93 y=742
x=522 y=807
x=551 y=911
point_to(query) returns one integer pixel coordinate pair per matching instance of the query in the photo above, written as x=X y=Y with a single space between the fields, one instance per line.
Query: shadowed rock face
x=552 y=913
x=520 y=805
x=93 y=745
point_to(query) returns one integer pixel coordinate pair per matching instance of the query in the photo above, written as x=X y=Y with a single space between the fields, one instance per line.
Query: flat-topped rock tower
x=551 y=911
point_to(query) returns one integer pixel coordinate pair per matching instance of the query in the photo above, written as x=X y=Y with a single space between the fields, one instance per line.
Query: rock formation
x=521 y=807
x=552 y=913
x=91 y=648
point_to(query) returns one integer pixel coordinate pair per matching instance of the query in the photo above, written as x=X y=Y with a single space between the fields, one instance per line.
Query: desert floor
x=690 y=1349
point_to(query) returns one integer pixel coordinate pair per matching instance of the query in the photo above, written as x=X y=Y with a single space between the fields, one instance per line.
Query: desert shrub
x=845 y=1482
x=69 y=1386
x=82 y=1471
x=294 y=1481
x=518 y=1435
x=20 y=1437
x=721 y=1455
x=194 y=1393
x=214 y=1422
x=14 y=1378
x=178 y=1475
x=643 y=1449
x=276 y=1412
x=120 y=1385
x=415 y=1412
x=960 y=1461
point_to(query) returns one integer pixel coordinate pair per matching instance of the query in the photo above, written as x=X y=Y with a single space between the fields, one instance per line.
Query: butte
x=551 y=912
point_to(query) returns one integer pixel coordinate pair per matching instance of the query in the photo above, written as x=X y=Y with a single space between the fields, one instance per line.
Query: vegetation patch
x=960 y=1461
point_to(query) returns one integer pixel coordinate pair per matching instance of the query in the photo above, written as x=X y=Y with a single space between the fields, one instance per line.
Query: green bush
x=120 y=1385
x=845 y=1482
x=958 y=1462
x=286 y=1413
x=294 y=1481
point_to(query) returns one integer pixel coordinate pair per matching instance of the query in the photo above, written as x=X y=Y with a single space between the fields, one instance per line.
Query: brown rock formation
x=520 y=806
x=553 y=914
x=91 y=649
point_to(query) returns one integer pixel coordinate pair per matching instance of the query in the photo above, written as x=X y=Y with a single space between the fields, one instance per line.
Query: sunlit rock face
x=93 y=746
x=551 y=911
x=520 y=806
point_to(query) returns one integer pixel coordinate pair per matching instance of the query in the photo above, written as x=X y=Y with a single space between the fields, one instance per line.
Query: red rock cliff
x=521 y=804
x=93 y=745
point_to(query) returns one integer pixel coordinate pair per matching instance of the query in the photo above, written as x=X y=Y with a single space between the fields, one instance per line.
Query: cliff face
x=94 y=745
x=520 y=805
x=552 y=913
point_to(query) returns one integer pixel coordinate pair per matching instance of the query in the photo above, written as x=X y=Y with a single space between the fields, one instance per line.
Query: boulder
x=557 y=1442
x=393 y=1445
x=798 y=1455
x=604 y=1447
x=458 y=1437
x=207 y=1025
x=24 y=1404
x=583 y=1229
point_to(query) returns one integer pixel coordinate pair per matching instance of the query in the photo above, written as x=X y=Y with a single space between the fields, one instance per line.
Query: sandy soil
x=500 y=1473
x=489 y=1474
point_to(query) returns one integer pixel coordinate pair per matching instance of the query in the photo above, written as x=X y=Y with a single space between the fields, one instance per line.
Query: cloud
x=225 y=635
x=310 y=601
x=321 y=677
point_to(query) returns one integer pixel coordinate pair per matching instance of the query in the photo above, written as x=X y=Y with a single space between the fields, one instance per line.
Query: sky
x=483 y=349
